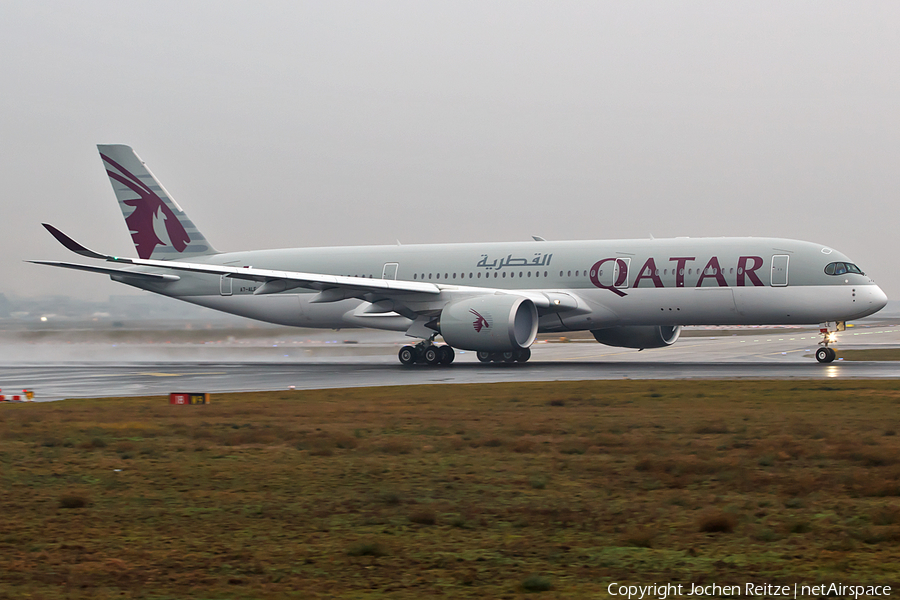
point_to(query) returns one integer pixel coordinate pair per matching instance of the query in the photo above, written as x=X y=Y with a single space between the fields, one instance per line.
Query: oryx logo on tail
x=480 y=322
x=152 y=223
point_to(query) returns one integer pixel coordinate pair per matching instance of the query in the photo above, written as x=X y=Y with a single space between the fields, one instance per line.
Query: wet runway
x=92 y=370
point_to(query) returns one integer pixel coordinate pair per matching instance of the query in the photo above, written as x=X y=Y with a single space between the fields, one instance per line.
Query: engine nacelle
x=638 y=336
x=490 y=323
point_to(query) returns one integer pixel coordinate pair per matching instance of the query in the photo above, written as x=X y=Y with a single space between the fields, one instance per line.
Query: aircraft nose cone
x=879 y=298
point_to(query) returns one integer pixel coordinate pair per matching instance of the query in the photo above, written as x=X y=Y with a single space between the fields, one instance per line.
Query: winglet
x=72 y=244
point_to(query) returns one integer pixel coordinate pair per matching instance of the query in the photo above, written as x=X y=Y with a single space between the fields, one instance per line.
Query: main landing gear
x=505 y=357
x=426 y=352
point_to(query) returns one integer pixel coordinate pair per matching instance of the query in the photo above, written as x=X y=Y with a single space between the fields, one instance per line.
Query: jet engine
x=638 y=336
x=490 y=323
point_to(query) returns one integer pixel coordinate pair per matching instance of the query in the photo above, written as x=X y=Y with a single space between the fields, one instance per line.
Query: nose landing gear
x=825 y=355
x=829 y=336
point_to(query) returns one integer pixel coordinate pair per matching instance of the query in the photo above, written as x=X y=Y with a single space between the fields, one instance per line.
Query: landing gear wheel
x=447 y=355
x=825 y=355
x=508 y=357
x=407 y=355
x=484 y=357
x=523 y=355
x=432 y=355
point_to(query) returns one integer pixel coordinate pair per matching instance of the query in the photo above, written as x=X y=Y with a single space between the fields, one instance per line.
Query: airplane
x=489 y=298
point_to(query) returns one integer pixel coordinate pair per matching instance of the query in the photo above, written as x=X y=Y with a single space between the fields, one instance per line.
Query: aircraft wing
x=410 y=298
x=272 y=281
x=107 y=271
x=279 y=281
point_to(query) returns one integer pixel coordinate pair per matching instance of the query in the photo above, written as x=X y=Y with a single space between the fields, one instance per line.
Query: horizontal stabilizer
x=107 y=271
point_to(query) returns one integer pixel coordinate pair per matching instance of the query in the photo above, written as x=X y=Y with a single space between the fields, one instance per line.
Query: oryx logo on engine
x=480 y=322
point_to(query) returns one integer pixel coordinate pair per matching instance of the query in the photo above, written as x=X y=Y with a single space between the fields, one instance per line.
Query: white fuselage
x=589 y=284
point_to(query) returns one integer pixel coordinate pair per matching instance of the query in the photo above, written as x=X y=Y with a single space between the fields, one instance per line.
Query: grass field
x=882 y=354
x=499 y=491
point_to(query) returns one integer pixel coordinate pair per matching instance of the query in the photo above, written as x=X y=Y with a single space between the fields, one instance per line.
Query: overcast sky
x=279 y=124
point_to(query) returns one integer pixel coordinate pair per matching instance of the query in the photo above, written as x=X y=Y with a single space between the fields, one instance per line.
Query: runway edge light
x=188 y=398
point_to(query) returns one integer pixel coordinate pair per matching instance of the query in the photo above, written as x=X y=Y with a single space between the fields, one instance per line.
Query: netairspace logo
x=752 y=590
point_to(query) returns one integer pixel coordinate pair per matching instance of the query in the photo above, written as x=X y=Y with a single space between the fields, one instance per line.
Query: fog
x=339 y=123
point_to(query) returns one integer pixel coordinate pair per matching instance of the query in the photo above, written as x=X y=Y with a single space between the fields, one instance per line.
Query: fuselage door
x=780 y=270
x=620 y=274
x=612 y=272
x=225 y=285
x=390 y=271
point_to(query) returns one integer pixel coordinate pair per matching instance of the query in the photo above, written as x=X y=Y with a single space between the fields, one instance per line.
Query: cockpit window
x=840 y=268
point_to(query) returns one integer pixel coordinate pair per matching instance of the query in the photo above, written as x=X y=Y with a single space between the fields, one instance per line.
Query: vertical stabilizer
x=159 y=228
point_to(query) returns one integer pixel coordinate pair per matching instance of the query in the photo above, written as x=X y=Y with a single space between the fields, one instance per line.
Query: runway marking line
x=181 y=374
